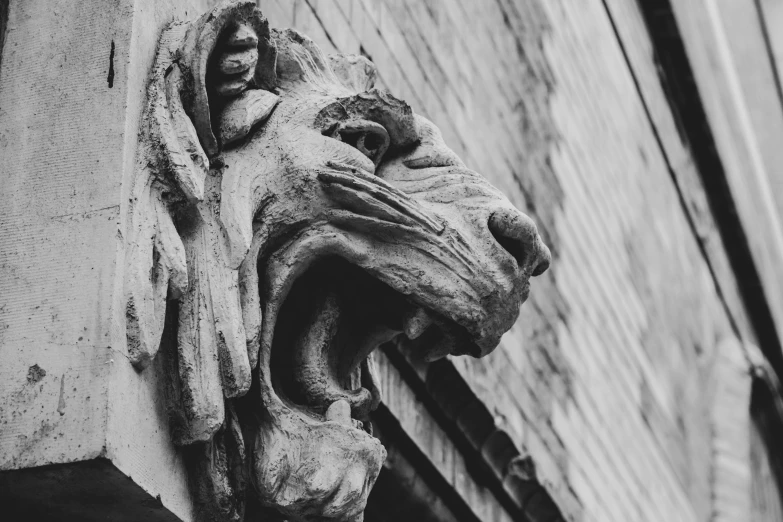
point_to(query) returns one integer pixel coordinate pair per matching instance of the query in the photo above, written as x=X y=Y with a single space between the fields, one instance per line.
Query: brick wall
x=604 y=381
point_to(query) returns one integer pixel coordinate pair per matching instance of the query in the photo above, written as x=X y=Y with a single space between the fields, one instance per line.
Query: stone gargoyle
x=286 y=220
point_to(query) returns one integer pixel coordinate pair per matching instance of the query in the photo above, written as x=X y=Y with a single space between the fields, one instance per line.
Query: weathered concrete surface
x=60 y=210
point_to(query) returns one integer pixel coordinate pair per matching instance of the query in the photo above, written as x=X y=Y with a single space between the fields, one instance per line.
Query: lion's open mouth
x=334 y=316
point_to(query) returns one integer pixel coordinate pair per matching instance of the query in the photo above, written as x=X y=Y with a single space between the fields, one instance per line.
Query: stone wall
x=72 y=87
x=604 y=380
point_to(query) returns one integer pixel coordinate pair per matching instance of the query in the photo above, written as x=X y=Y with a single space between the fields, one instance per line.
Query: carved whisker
x=364 y=205
x=382 y=191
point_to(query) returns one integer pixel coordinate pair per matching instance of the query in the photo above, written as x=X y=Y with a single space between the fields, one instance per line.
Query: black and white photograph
x=391 y=260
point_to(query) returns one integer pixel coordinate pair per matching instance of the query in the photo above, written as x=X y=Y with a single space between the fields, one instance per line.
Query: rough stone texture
x=603 y=381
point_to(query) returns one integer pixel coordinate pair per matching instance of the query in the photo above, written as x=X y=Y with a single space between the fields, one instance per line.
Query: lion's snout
x=519 y=237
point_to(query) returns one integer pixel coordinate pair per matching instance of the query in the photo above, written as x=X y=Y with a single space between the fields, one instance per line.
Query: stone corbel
x=286 y=220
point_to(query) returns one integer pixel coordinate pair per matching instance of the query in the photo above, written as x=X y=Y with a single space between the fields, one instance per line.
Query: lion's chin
x=308 y=469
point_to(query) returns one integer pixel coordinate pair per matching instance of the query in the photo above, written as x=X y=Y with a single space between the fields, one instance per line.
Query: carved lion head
x=292 y=219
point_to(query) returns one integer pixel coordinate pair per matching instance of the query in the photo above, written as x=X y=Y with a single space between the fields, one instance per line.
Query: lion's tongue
x=329 y=354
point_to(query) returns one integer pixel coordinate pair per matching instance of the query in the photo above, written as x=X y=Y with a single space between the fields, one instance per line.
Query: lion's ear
x=354 y=71
x=229 y=62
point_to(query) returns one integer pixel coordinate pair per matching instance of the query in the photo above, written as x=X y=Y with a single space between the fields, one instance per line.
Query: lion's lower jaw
x=308 y=469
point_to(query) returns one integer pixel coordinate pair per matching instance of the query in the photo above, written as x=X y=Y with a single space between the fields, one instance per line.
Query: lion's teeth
x=416 y=323
x=339 y=411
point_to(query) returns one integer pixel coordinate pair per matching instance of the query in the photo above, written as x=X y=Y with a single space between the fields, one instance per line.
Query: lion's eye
x=370 y=144
x=369 y=138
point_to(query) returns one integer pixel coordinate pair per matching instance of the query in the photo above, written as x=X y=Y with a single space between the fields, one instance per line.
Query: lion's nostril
x=545 y=260
x=510 y=245
x=518 y=235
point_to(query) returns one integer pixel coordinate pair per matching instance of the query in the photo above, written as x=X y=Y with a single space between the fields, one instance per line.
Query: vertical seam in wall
x=687 y=103
x=770 y=52
x=121 y=71
x=748 y=132
x=691 y=224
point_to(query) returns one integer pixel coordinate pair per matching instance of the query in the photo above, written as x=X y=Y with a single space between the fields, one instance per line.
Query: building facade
x=640 y=380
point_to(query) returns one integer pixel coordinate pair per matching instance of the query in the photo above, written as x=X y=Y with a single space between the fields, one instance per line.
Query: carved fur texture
x=287 y=220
